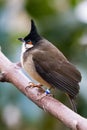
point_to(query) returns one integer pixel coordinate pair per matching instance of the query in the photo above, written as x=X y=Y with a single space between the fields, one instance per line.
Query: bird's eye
x=29 y=42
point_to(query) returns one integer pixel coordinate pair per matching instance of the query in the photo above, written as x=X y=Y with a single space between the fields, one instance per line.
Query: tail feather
x=73 y=103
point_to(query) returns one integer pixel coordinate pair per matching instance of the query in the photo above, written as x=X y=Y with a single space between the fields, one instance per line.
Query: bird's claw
x=32 y=85
x=44 y=94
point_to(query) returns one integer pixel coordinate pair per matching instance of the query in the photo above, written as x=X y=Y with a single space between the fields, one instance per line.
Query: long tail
x=73 y=103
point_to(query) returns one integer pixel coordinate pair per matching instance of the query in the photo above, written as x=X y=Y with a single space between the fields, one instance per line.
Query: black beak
x=21 y=39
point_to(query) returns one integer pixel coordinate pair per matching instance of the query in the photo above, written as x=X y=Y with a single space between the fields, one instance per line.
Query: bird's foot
x=32 y=85
x=44 y=94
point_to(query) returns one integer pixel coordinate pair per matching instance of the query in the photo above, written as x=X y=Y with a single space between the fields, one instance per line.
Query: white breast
x=30 y=69
x=24 y=48
x=28 y=65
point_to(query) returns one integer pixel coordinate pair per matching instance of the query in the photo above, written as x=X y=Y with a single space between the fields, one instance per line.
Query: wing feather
x=54 y=68
x=58 y=79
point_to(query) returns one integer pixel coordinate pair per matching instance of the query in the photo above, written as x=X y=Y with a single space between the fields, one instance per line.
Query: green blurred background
x=64 y=23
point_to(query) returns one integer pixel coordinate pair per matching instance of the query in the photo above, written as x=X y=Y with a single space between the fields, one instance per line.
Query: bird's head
x=31 y=39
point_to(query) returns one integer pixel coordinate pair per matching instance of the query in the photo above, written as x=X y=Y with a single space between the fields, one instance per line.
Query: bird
x=46 y=64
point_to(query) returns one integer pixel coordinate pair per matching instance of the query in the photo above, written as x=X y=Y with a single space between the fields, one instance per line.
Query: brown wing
x=54 y=68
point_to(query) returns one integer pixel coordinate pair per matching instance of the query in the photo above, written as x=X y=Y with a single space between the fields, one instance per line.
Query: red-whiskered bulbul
x=47 y=65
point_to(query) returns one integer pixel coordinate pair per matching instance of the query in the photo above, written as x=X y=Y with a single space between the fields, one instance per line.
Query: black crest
x=33 y=35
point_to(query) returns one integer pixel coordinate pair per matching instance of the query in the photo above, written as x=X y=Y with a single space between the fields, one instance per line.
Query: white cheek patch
x=26 y=46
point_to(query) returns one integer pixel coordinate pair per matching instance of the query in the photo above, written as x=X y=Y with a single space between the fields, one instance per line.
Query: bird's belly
x=28 y=65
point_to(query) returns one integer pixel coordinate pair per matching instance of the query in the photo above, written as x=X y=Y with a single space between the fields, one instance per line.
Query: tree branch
x=13 y=74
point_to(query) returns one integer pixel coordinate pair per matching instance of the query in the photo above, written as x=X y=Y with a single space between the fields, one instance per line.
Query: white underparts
x=28 y=65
